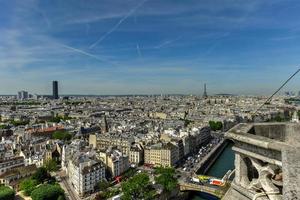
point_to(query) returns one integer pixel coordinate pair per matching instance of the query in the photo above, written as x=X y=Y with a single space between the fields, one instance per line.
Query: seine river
x=224 y=163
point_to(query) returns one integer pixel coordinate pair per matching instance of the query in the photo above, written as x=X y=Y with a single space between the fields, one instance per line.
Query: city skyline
x=149 y=47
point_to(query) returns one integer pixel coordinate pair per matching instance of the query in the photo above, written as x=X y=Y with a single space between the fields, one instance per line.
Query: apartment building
x=12 y=177
x=161 y=154
x=136 y=154
x=10 y=163
x=85 y=172
x=116 y=162
x=104 y=141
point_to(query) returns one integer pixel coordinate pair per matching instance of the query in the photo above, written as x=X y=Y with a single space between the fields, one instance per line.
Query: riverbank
x=222 y=164
x=211 y=157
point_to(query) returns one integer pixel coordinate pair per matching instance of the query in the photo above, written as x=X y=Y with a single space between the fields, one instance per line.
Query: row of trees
x=4 y=126
x=62 y=135
x=107 y=194
x=19 y=123
x=29 y=103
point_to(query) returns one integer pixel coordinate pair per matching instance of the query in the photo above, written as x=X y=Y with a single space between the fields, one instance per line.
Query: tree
x=129 y=173
x=4 y=126
x=107 y=194
x=61 y=197
x=138 y=187
x=41 y=175
x=28 y=185
x=47 y=192
x=103 y=185
x=19 y=123
x=215 y=125
x=51 y=165
x=6 y=193
x=62 y=135
x=166 y=178
x=55 y=119
x=219 y=125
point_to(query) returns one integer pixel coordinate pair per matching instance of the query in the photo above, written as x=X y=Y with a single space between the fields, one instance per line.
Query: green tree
x=28 y=185
x=47 y=192
x=219 y=125
x=62 y=135
x=107 y=194
x=138 y=187
x=56 y=119
x=166 y=178
x=215 y=125
x=61 y=197
x=51 y=165
x=6 y=193
x=19 y=123
x=3 y=126
x=129 y=173
x=103 y=185
x=41 y=175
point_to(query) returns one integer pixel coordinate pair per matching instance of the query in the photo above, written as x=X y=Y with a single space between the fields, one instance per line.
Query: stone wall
x=267 y=161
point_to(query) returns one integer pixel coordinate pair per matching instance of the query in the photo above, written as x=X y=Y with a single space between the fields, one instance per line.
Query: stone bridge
x=218 y=191
x=209 y=189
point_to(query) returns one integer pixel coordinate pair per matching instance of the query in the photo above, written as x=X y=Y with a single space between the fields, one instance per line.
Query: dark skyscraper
x=205 y=93
x=55 y=89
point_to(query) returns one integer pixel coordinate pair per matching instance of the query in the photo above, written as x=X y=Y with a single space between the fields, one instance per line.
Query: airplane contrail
x=165 y=43
x=117 y=24
x=86 y=53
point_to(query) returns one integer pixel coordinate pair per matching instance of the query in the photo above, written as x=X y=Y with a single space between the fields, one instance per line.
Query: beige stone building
x=159 y=115
x=161 y=154
x=104 y=141
x=136 y=154
x=116 y=162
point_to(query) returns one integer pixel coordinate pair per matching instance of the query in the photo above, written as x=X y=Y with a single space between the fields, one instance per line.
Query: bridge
x=215 y=190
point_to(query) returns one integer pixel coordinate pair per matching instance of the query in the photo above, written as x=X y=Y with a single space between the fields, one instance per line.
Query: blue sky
x=149 y=46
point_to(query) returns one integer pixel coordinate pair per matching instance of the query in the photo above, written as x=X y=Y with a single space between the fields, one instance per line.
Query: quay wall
x=211 y=157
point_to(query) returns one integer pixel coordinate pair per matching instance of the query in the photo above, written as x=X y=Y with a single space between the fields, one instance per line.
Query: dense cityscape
x=149 y=100
x=123 y=147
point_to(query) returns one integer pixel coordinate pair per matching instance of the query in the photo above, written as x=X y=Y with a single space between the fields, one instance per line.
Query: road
x=71 y=193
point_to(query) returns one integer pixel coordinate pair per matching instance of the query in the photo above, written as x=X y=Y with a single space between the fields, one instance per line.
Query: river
x=224 y=163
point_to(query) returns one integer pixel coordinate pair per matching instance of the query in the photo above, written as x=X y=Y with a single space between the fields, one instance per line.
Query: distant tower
x=204 y=93
x=22 y=95
x=104 y=125
x=55 y=89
